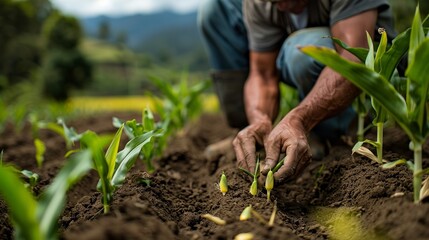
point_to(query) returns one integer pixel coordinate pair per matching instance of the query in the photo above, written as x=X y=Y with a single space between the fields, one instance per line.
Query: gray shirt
x=268 y=27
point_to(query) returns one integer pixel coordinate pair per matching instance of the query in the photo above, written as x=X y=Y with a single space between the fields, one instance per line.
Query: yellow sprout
x=246 y=214
x=244 y=236
x=223 y=184
x=214 y=219
x=273 y=215
x=254 y=188
x=269 y=184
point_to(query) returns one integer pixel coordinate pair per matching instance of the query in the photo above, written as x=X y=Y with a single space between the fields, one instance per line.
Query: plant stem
x=417 y=181
x=380 y=142
x=106 y=208
x=361 y=122
x=361 y=118
x=149 y=165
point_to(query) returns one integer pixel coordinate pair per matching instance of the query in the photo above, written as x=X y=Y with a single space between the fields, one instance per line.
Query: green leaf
x=126 y=158
x=51 y=126
x=417 y=34
x=279 y=165
x=95 y=144
x=418 y=72
x=53 y=200
x=246 y=172
x=70 y=135
x=357 y=146
x=394 y=164
x=369 y=61
x=370 y=82
x=360 y=53
x=166 y=89
x=40 y=151
x=391 y=58
x=380 y=52
x=112 y=151
x=374 y=64
x=22 y=205
x=33 y=178
x=148 y=120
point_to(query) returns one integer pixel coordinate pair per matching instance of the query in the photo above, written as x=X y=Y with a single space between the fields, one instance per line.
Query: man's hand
x=287 y=137
x=246 y=140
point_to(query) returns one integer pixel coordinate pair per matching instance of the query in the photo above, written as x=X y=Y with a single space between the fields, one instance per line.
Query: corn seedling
x=269 y=180
x=269 y=184
x=33 y=179
x=37 y=219
x=246 y=214
x=254 y=186
x=244 y=236
x=379 y=62
x=180 y=102
x=113 y=166
x=381 y=115
x=156 y=144
x=410 y=113
x=258 y=217
x=69 y=135
x=223 y=184
x=214 y=219
x=273 y=215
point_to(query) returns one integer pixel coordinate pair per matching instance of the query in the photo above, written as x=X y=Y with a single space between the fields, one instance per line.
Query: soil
x=338 y=197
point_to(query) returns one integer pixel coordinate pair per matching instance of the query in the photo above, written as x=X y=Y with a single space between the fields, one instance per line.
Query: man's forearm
x=330 y=95
x=261 y=95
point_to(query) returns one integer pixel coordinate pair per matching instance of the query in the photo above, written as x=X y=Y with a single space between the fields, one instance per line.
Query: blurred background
x=66 y=50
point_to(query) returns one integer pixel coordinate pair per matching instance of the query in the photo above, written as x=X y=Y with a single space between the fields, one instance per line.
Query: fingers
x=244 y=148
x=249 y=150
x=272 y=149
x=297 y=158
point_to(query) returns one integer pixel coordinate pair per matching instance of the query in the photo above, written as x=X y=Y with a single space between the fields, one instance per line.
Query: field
x=339 y=197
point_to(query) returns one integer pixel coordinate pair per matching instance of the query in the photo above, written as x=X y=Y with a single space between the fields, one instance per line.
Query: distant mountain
x=140 y=27
x=164 y=33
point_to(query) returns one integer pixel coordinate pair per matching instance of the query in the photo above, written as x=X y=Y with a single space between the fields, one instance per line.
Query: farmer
x=252 y=46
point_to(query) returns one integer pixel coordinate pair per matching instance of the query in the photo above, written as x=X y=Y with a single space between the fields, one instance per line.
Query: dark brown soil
x=340 y=197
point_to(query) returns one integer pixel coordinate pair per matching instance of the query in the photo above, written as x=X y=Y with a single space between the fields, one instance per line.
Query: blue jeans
x=225 y=38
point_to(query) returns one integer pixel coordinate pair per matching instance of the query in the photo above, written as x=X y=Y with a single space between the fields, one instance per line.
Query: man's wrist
x=258 y=117
x=298 y=119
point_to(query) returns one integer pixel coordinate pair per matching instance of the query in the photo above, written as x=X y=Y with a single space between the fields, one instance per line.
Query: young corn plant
x=37 y=219
x=254 y=186
x=69 y=135
x=269 y=180
x=384 y=61
x=223 y=184
x=113 y=166
x=156 y=144
x=374 y=63
x=31 y=177
x=411 y=112
x=180 y=103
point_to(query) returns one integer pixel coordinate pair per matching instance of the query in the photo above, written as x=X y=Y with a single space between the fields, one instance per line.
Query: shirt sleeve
x=262 y=33
x=343 y=9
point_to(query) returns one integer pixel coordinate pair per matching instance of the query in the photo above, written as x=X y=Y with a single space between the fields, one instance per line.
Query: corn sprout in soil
x=37 y=219
x=223 y=184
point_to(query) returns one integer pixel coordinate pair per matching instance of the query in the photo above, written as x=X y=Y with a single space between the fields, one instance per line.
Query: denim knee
x=298 y=69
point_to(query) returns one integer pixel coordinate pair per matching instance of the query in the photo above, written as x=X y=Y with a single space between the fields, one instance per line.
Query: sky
x=86 y=8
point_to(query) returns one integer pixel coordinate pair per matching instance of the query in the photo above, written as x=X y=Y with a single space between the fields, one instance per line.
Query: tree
x=64 y=67
x=20 y=24
x=104 y=31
